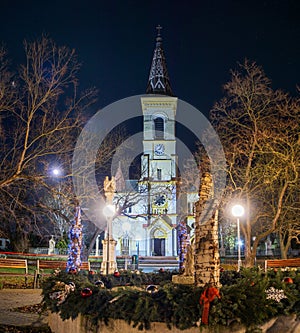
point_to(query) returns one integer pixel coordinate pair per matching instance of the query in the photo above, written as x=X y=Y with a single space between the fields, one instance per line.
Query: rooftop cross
x=158 y=28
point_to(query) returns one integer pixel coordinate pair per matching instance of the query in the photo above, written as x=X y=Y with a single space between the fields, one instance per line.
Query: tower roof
x=159 y=82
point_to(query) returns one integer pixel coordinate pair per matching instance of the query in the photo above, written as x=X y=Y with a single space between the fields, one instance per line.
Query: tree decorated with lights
x=183 y=243
x=75 y=245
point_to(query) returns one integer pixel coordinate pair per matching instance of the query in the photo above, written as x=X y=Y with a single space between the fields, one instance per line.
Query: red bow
x=208 y=295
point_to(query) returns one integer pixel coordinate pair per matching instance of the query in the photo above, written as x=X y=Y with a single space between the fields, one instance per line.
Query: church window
x=128 y=210
x=190 y=208
x=159 y=174
x=159 y=128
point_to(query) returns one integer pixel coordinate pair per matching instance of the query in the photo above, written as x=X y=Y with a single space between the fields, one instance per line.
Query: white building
x=149 y=226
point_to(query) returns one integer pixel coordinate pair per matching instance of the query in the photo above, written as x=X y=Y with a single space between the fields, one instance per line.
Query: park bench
x=42 y=265
x=282 y=263
x=15 y=264
x=58 y=264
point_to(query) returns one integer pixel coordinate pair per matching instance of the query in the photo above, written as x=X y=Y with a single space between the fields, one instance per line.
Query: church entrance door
x=159 y=248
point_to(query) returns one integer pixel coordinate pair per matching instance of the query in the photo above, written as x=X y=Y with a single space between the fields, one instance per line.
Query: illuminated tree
x=259 y=130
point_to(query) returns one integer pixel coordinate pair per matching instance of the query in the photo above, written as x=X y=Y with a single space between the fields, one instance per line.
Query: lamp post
x=109 y=212
x=97 y=246
x=137 y=254
x=137 y=244
x=109 y=264
x=238 y=211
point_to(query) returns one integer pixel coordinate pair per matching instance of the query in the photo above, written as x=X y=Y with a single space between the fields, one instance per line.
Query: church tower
x=148 y=224
x=159 y=160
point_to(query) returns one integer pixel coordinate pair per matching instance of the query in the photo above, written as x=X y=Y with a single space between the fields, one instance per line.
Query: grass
x=16 y=282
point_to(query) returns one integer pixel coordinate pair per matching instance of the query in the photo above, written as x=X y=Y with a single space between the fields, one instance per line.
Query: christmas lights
x=75 y=245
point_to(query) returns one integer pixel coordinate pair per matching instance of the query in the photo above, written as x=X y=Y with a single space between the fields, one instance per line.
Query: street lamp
x=137 y=244
x=109 y=212
x=56 y=172
x=238 y=211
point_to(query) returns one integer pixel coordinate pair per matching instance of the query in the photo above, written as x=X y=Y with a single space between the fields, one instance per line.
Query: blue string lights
x=183 y=243
x=75 y=245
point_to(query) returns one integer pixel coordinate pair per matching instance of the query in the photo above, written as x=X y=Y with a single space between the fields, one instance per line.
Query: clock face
x=159 y=149
x=160 y=200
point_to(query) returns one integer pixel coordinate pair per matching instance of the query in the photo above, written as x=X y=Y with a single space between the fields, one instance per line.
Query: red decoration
x=208 y=295
x=72 y=271
x=288 y=280
x=86 y=292
x=116 y=274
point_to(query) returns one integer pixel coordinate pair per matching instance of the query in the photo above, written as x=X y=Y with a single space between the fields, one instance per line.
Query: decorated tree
x=75 y=245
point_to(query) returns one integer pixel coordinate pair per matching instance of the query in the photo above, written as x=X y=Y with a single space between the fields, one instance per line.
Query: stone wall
x=288 y=324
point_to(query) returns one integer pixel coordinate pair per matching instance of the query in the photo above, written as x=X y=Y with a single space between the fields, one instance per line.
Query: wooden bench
x=58 y=264
x=282 y=263
x=14 y=263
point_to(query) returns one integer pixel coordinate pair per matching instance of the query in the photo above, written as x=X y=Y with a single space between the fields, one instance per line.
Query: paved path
x=10 y=299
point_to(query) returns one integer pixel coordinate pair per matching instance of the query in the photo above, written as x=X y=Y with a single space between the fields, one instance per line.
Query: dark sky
x=202 y=40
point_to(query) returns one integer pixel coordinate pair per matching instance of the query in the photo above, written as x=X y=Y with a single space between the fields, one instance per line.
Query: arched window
x=159 y=128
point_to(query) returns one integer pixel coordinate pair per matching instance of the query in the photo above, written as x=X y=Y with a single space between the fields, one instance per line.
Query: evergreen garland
x=244 y=298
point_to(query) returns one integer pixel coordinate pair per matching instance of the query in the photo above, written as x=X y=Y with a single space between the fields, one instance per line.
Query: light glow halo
x=106 y=119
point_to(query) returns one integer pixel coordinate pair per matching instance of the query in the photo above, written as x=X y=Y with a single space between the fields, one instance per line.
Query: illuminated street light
x=138 y=239
x=109 y=211
x=56 y=172
x=238 y=211
x=109 y=262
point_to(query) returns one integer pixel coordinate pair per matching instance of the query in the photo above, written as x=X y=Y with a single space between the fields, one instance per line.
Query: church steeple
x=159 y=82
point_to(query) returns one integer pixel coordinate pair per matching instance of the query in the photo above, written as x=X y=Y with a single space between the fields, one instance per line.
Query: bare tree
x=40 y=108
x=259 y=130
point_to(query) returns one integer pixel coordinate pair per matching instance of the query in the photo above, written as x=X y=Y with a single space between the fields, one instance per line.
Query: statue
x=189 y=266
x=109 y=188
x=51 y=245
x=109 y=184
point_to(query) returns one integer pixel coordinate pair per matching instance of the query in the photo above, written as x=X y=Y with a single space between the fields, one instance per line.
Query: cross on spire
x=158 y=28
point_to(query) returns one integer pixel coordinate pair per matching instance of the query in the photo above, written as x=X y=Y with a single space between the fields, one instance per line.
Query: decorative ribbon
x=208 y=295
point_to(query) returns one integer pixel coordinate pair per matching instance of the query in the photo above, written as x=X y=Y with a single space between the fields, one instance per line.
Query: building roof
x=159 y=81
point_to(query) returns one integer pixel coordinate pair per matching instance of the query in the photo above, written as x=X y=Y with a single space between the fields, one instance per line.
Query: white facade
x=148 y=227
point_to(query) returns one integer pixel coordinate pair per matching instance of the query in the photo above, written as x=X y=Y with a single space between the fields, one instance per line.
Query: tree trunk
x=206 y=255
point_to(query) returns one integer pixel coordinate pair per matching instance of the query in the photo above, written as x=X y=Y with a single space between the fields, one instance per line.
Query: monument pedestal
x=109 y=264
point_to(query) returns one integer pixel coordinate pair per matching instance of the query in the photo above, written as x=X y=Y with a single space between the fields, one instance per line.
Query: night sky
x=202 y=40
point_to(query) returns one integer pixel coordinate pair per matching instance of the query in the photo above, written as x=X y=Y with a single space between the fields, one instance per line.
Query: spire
x=159 y=82
x=120 y=182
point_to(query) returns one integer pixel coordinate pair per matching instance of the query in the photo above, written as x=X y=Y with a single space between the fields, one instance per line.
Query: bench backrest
x=14 y=263
x=55 y=264
x=277 y=263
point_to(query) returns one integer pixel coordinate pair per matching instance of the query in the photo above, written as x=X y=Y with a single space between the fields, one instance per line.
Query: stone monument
x=109 y=264
x=51 y=247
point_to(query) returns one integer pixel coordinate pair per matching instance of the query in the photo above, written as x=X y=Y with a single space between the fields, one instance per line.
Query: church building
x=149 y=224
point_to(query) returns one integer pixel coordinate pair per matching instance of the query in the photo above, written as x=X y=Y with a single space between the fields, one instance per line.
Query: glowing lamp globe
x=109 y=210
x=238 y=210
x=56 y=172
